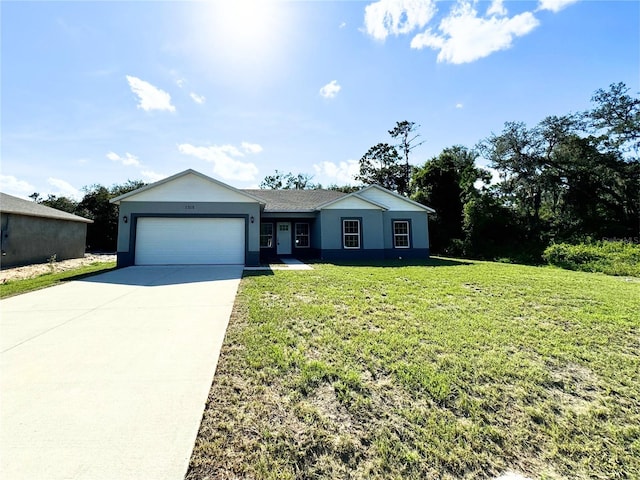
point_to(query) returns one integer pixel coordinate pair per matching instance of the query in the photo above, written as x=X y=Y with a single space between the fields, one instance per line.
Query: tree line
x=102 y=234
x=569 y=178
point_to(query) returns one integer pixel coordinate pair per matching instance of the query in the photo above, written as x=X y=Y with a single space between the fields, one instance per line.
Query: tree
x=617 y=117
x=102 y=234
x=406 y=132
x=274 y=182
x=343 y=188
x=381 y=166
x=61 y=203
x=560 y=183
x=288 y=181
x=493 y=230
x=446 y=183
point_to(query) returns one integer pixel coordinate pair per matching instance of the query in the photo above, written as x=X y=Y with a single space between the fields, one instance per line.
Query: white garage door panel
x=190 y=241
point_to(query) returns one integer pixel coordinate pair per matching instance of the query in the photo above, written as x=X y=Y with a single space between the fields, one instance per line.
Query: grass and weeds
x=443 y=370
x=16 y=287
x=612 y=258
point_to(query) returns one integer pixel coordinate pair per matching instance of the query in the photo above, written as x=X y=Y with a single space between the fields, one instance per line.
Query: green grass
x=442 y=370
x=612 y=258
x=16 y=287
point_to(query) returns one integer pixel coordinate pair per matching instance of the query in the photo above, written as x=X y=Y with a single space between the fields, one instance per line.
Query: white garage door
x=190 y=241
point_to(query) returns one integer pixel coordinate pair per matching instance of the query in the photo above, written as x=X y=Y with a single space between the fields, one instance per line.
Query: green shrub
x=612 y=258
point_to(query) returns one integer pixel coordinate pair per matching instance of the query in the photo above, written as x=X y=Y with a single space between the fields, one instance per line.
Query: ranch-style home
x=190 y=218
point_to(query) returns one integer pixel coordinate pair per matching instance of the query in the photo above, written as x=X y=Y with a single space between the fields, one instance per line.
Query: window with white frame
x=401 y=234
x=266 y=235
x=351 y=233
x=302 y=235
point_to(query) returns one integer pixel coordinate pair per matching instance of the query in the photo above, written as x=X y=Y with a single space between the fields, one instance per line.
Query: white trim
x=351 y=234
x=164 y=181
x=308 y=234
x=271 y=236
x=407 y=235
x=396 y=196
x=350 y=196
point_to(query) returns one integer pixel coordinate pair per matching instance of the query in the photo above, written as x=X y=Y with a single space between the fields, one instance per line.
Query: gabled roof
x=19 y=206
x=295 y=200
x=177 y=176
x=396 y=196
x=354 y=195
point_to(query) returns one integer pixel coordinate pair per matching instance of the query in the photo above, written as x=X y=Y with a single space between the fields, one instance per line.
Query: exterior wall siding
x=419 y=228
x=376 y=235
x=372 y=233
x=134 y=210
x=27 y=240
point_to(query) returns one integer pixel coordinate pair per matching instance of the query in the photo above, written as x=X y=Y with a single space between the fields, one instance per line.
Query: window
x=266 y=235
x=351 y=233
x=401 y=234
x=302 y=235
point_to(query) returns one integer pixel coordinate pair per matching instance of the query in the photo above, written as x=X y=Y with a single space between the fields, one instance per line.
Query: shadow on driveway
x=161 y=275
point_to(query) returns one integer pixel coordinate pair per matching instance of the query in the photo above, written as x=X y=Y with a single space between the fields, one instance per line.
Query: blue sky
x=103 y=92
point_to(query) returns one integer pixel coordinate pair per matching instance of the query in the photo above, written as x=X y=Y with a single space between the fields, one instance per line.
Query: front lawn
x=442 y=370
x=16 y=287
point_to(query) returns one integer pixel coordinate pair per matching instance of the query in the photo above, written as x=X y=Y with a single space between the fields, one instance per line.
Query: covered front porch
x=283 y=236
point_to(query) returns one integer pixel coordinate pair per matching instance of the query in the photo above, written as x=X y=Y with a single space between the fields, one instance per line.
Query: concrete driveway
x=107 y=377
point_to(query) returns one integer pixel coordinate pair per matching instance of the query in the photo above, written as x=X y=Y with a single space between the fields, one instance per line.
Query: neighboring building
x=33 y=233
x=190 y=218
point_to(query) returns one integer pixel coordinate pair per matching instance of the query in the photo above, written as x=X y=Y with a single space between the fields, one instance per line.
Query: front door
x=283 y=238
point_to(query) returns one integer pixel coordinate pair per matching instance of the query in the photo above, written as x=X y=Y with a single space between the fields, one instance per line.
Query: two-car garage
x=190 y=241
x=188 y=219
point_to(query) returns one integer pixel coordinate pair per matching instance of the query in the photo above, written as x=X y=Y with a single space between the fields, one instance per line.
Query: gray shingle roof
x=18 y=206
x=294 y=200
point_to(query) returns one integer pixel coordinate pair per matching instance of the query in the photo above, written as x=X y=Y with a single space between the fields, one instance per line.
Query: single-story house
x=190 y=218
x=34 y=233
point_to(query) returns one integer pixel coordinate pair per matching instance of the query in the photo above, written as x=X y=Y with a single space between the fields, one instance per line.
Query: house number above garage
x=189 y=207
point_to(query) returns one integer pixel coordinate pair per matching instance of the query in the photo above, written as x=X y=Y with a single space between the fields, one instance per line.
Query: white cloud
x=224 y=165
x=152 y=176
x=200 y=99
x=128 y=160
x=181 y=82
x=467 y=37
x=18 y=188
x=342 y=173
x=342 y=25
x=151 y=98
x=251 y=147
x=331 y=89
x=395 y=17
x=459 y=105
x=497 y=8
x=555 y=5
x=65 y=189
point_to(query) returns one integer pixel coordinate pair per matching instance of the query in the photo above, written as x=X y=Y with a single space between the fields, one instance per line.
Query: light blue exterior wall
x=135 y=210
x=371 y=235
x=419 y=230
x=418 y=234
x=376 y=234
